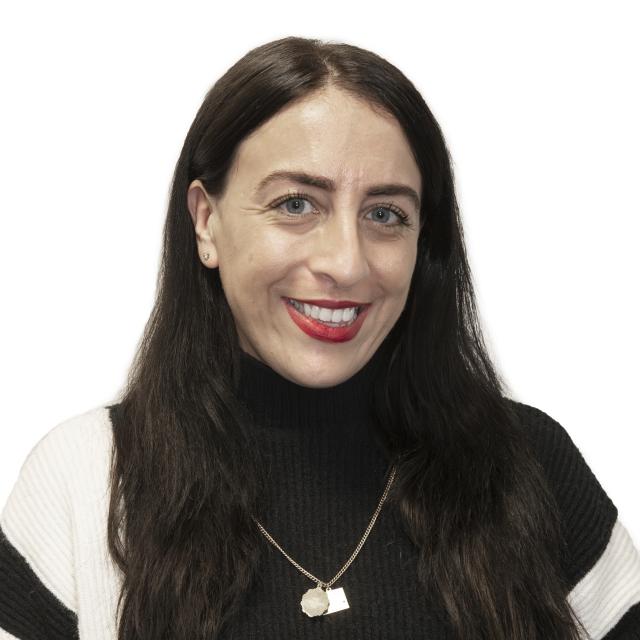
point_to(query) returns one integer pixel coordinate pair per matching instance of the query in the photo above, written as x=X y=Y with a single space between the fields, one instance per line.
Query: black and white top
x=326 y=476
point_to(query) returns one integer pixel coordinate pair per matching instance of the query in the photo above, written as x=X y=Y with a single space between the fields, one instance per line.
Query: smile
x=330 y=317
x=321 y=323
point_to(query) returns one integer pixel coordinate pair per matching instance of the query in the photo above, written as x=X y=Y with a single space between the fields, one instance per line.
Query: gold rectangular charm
x=337 y=600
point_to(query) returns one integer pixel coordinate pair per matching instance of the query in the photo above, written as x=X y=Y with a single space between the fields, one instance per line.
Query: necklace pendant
x=315 y=602
x=318 y=601
x=337 y=600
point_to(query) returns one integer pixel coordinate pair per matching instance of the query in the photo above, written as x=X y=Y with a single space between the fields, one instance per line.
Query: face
x=339 y=223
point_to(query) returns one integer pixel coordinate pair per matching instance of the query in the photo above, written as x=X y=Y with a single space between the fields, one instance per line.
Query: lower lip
x=321 y=331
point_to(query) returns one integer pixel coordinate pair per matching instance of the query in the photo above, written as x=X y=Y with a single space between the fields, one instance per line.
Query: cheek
x=253 y=262
x=395 y=267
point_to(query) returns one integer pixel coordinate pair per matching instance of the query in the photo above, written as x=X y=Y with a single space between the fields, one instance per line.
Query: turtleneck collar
x=277 y=400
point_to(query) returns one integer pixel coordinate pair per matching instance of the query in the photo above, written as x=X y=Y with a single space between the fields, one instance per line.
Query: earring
x=205 y=256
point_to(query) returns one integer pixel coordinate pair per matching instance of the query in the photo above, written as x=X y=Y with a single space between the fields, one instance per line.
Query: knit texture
x=326 y=474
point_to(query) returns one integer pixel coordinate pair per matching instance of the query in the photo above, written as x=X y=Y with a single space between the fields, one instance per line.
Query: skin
x=331 y=245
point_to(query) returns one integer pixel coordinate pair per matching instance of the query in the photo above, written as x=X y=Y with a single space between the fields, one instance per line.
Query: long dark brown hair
x=184 y=480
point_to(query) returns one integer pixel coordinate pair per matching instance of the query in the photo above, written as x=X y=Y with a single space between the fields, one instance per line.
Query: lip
x=335 y=304
x=320 y=331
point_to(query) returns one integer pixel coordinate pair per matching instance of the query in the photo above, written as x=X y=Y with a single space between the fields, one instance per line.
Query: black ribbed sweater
x=326 y=474
x=326 y=477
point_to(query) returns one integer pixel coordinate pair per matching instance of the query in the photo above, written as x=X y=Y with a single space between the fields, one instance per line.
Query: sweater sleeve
x=600 y=560
x=37 y=586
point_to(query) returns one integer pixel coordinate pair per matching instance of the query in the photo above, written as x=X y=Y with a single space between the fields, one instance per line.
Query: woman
x=313 y=441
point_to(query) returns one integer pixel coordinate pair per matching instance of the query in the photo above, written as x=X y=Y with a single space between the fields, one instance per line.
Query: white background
x=539 y=105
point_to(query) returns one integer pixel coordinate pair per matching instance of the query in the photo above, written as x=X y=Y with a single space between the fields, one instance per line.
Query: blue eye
x=295 y=209
x=294 y=205
x=297 y=204
x=387 y=210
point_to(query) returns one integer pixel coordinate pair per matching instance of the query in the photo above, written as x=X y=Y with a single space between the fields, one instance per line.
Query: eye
x=403 y=218
x=294 y=208
x=294 y=204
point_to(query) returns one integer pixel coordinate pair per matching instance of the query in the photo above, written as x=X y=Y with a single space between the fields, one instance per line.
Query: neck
x=279 y=401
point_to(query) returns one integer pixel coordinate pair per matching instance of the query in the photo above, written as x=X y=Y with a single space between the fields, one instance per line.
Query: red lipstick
x=321 y=331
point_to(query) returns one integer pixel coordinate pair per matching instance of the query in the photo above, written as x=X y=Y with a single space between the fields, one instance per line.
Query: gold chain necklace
x=323 y=599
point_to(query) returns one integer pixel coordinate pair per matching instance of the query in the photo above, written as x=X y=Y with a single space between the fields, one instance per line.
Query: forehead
x=329 y=133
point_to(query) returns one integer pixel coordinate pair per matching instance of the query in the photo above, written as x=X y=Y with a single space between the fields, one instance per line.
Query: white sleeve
x=607 y=599
x=37 y=586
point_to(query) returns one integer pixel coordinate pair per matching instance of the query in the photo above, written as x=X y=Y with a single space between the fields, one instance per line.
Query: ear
x=203 y=216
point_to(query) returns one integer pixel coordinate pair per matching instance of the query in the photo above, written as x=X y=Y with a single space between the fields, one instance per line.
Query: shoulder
x=60 y=463
x=73 y=434
x=587 y=512
x=544 y=432
x=69 y=454
x=55 y=510
x=569 y=476
x=66 y=454
x=600 y=560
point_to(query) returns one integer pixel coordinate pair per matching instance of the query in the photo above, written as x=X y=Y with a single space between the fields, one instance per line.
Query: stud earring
x=205 y=256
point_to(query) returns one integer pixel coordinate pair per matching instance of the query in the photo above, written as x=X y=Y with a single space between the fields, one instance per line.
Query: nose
x=338 y=252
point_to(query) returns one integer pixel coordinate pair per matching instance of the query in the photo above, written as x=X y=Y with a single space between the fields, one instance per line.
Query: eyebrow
x=302 y=177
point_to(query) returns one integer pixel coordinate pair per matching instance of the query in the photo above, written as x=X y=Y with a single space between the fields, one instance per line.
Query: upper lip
x=333 y=304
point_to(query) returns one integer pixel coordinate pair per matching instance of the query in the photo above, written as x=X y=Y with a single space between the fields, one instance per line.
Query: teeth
x=330 y=316
x=349 y=314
